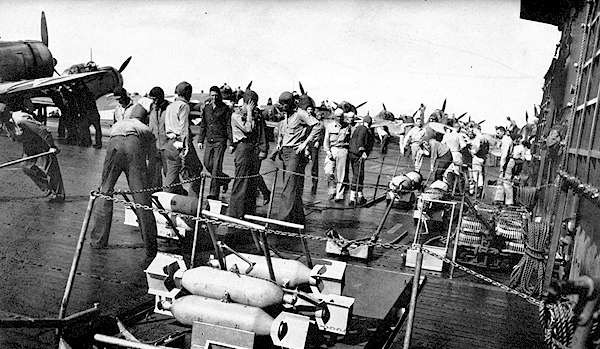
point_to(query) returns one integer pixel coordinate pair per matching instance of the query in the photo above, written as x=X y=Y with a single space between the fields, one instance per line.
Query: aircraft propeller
x=360 y=105
x=44 y=29
x=124 y=65
x=444 y=105
x=301 y=88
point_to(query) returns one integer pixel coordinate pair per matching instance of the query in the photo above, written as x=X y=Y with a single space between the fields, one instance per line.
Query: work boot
x=313 y=189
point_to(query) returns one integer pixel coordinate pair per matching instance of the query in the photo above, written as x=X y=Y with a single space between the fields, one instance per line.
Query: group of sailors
x=458 y=151
x=152 y=143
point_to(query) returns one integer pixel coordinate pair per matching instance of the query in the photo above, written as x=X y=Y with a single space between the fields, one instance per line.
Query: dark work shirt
x=361 y=140
x=216 y=124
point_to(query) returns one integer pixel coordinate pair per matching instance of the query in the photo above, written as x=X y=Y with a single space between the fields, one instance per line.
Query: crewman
x=131 y=141
x=335 y=144
x=89 y=115
x=157 y=166
x=179 y=152
x=293 y=143
x=441 y=157
x=361 y=144
x=383 y=133
x=248 y=134
x=506 y=165
x=36 y=139
x=123 y=110
x=215 y=131
x=413 y=140
x=480 y=148
x=306 y=102
x=455 y=141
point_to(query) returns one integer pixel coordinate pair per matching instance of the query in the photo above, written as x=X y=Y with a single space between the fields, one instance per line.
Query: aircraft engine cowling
x=25 y=60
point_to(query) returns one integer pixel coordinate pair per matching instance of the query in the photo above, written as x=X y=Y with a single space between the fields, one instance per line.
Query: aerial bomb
x=192 y=308
x=288 y=273
x=177 y=203
x=287 y=330
x=243 y=289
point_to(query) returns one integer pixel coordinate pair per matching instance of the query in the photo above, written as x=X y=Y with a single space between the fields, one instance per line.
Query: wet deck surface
x=38 y=240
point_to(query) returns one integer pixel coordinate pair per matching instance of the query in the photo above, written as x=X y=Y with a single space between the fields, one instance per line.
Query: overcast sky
x=478 y=54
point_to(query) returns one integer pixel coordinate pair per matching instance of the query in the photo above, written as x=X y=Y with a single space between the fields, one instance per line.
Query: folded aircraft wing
x=101 y=82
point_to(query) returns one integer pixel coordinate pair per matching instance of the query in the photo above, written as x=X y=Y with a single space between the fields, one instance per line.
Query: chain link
x=384 y=245
x=205 y=220
x=189 y=180
x=527 y=297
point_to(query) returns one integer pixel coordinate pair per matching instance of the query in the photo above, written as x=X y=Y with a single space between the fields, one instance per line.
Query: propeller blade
x=249 y=85
x=301 y=88
x=124 y=65
x=44 y=29
x=481 y=122
x=461 y=116
x=469 y=118
x=384 y=108
x=526 y=116
x=360 y=105
x=535 y=111
x=444 y=105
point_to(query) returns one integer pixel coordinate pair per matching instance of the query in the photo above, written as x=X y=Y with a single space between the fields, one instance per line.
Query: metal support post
x=197 y=223
x=76 y=256
x=378 y=177
x=27 y=158
x=413 y=298
x=458 y=224
x=67 y=294
x=124 y=343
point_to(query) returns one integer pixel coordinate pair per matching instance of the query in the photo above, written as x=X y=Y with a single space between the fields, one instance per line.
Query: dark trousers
x=89 y=118
x=314 y=167
x=68 y=127
x=84 y=137
x=94 y=120
x=243 y=192
x=358 y=172
x=441 y=165
x=46 y=177
x=156 y=168
x=124 y=154
x=213 y=160
x=292 y=207
x=189 y=167
x=262 y=186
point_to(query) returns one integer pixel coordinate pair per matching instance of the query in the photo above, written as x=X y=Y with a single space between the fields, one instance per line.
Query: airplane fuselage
x=25 y=60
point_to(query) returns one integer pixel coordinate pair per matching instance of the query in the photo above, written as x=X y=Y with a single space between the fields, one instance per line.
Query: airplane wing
x=101 y=82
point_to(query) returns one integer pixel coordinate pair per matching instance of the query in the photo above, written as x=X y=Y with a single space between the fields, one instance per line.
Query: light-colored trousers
x=338 y=170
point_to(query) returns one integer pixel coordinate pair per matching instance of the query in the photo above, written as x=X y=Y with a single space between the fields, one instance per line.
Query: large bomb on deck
x=188 y=309
x=288 y=273
x=287 y=330
x=219 y=284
